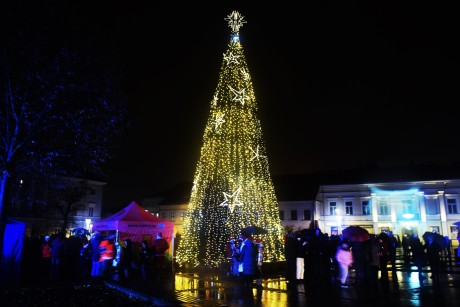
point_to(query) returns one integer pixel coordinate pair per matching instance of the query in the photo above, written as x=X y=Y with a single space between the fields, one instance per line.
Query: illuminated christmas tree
x=232 y=187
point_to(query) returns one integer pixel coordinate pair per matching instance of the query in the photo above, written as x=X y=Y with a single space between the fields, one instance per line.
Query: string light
x=232 y=185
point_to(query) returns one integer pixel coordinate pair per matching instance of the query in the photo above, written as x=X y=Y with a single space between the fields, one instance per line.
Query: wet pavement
x=212 y=288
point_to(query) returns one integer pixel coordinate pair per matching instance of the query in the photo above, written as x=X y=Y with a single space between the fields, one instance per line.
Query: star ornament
x=219 y=121
x=256 y=153
x=214 y=100
x=231 y=200
x=231 y=58
x=245 y=74
x=238 y=95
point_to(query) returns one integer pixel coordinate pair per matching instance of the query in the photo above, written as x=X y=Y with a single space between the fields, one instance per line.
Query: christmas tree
x=232 y=187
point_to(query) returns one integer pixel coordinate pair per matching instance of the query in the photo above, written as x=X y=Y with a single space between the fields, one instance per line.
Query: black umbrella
x=254 y=230
x=355 y=234
x=439 y=239
x=306 y=234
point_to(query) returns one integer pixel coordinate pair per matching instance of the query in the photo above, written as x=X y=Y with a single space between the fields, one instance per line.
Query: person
x=384 y=255
x=247 y=258
x=160 y=247
x=260 y=258
x=108 y=253
x=432 y=250
x=406 y=249
x=236 y=258
x=392 y=246
x=345 y=260
x=86 y=254
x=301 y=252
x=229 y=248
x=126 y=259
x=374 y=259
x=418 y=254
x=57 y=255
x=95 y=240
x=290 y=248
x=145 y=255
x=46 y=257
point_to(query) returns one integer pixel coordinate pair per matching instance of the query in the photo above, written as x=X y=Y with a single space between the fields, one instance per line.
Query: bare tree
x=62 y=112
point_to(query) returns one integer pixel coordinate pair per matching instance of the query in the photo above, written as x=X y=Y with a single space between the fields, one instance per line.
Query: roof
x=131 y=213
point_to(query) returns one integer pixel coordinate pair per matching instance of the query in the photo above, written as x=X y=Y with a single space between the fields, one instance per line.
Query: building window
x=173 y=216
x=451 y=206
x=307 y=215
x=349 y=208
x=90 y=211
x=293 y=215
x=431 y=206
x=282 y=215
x=383 y=208
x=182 y=216
x=333 y=208
x=407 y=206
x=92 y=192
x=163 y=215
x=366 y=205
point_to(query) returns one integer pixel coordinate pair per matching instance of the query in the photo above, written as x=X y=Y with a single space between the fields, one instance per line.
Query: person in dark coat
x=290 y=252
x=145 y=254
x=248 y=257
x=418 y=254
x=86 y=256
x=160 y=246
x=96 y=239
x=126 y=259
x=432 y=250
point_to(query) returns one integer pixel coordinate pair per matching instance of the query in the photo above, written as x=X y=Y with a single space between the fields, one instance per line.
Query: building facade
x=403 y=206
x=411 y=207
x=46 y=217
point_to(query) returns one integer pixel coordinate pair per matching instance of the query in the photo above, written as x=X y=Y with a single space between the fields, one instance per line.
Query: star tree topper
x=235 y=21
x=233 y=199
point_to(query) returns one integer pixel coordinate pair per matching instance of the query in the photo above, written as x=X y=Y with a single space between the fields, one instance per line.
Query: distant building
x=32 y=204
x=403 y=200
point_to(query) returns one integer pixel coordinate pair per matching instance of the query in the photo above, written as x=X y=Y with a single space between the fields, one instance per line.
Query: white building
x=402 y=200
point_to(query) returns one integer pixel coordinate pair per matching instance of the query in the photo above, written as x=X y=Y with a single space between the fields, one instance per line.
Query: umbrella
x=306 y=234
x=254 y=230
x=439 y=239
x=457 y=223
x=355 y=234
x=80 y=231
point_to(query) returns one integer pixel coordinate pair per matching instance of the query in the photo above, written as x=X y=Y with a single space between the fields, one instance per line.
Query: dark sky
x=339 y=84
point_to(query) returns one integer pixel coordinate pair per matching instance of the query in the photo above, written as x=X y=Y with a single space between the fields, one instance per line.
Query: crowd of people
x=95 y=257
x=311 y=256
x=318 y=257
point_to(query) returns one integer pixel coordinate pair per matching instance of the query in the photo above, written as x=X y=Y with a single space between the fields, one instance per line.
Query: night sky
x=339 y=84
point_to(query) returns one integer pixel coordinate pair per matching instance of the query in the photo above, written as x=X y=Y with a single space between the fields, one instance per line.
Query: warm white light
x=87 y=223
x=408 y=215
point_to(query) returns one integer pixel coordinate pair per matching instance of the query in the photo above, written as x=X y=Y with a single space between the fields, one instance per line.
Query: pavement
x=207 y=287
x=212 y=287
